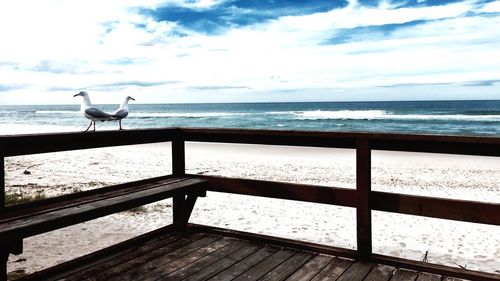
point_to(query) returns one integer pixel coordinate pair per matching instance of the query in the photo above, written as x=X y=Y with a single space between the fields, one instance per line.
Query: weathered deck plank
x=288 y=267
x=245 y=264
x=171 y=266
x=404 y=275
x=209 y=259
x=422 y=276
x=146 y=263
x=380 y=273
x=356 y=272
x=333 y=270
x=311 y=269
x=222 y=264
x=100 y=265
x=266 y=265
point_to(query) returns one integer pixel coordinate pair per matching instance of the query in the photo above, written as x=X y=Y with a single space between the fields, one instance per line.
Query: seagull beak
x=132 y=98
x=82 y=93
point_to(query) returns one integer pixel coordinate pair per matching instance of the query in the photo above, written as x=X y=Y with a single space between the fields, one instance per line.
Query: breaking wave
x=385 y=115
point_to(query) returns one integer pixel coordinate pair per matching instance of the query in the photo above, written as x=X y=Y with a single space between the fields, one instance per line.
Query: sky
x=184 y=51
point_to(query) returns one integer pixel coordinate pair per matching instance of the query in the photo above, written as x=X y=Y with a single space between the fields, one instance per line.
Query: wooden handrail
x=16 y=145
x=482 y=146
x=31 y=144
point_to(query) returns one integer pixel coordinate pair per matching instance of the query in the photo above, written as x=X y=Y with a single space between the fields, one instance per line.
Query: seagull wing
x=95 y=114
x=119 y=114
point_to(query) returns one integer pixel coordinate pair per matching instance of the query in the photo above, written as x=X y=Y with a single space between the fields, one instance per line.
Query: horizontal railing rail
x=482 y=146
x=451 y=209
x=17 y=145
x=14 y=145
x=280 y=190
x=362 y=198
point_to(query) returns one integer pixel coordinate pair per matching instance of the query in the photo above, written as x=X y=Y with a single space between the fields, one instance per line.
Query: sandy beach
x=447 y=242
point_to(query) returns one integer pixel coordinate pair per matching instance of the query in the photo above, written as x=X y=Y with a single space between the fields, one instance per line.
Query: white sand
x=448 y=242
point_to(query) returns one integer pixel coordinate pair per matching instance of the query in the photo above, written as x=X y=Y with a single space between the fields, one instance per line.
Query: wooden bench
x=21 y=221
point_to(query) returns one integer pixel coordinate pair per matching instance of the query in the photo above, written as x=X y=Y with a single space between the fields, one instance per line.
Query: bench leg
x=4 y=257
x=15 y=247
x=178 y=208
x=6 y=248
x=183 y=207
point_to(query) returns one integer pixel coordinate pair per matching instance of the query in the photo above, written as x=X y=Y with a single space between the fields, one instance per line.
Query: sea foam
x=386 y=115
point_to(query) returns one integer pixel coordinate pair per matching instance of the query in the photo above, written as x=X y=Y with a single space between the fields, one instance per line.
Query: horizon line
x=268 y=102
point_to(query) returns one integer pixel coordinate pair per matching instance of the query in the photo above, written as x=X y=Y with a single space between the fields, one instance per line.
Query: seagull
x=90 y=112
x=121 y=112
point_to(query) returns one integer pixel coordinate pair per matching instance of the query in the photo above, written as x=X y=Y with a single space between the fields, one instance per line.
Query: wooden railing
x=362 y=198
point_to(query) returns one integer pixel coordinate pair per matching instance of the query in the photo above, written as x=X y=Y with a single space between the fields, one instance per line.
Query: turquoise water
x=428 y=117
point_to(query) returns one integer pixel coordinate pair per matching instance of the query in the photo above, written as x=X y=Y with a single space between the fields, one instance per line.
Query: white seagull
x=90 y=112
x=121 y=112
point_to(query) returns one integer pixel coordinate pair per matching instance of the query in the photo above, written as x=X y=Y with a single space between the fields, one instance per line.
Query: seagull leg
x=120 y=122
x=88 y=126
x=94 y=125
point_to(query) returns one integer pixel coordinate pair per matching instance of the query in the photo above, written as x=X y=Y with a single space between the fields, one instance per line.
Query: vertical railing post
x=4 y=254
x=2 y=180
x=178 y=157
x=178 y=169
x=363 y=189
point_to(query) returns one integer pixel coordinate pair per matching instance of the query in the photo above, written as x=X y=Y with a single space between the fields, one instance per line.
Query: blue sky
x=171 y=51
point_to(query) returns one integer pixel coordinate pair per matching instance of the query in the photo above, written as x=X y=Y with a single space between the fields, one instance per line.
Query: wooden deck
x=208 y=256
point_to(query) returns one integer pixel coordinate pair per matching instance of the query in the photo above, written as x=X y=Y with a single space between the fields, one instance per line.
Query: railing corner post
x=2 y=179
x=178 y=157
x=363 y=190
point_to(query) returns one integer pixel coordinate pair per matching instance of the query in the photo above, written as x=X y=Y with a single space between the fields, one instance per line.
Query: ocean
x=479 y=118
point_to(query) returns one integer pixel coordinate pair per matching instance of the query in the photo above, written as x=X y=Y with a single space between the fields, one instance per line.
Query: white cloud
x=105 y=42
x=447 y=49
x=492 y=7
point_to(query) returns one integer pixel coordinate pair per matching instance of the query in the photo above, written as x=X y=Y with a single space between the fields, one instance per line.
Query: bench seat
x=18 y=222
